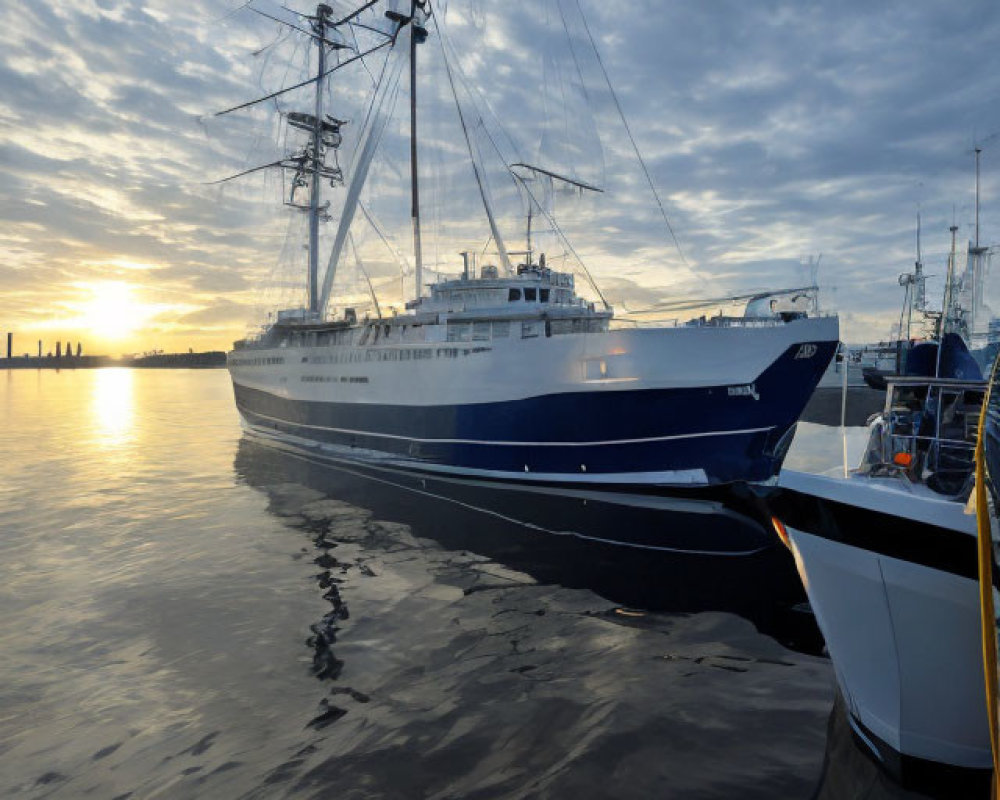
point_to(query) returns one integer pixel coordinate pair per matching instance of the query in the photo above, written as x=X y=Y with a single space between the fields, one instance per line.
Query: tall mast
x=978 y=151
x=528 y=243
x=919 y=298
x=946 y=309
x=415 y=188
x=319 y=26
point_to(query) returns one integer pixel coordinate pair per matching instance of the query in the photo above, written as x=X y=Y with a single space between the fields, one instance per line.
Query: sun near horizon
x=116 y=317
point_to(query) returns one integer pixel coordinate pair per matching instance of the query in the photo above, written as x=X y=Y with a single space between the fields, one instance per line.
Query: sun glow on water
x=112 y=405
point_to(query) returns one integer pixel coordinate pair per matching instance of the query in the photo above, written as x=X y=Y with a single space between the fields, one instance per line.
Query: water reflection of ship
x=760 y=587
x=573 y=538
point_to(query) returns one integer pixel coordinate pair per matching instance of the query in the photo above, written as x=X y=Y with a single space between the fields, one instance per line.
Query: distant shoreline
x=212 y=359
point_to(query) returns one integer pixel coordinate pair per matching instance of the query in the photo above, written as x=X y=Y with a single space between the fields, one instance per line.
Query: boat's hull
x=544 y=417
x=891 y=577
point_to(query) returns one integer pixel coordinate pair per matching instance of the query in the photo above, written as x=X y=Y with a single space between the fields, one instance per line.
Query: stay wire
x=517 y=180
x=628 y=131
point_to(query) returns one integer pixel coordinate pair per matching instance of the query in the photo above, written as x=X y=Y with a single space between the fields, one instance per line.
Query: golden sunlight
x=113 y=313
x=111 y=401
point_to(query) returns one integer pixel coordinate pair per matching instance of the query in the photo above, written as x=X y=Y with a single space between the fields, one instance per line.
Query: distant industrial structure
x=59 y=350
x=66 y=358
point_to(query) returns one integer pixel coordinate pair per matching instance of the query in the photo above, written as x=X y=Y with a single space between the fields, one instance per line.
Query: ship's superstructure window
x=543 y=295
x=530 y=295
x=563 y=326
x=481 y=332
x=513 y=295
x=260 y=361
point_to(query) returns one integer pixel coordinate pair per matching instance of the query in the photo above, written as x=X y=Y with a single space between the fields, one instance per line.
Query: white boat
x=888 y=557
x=503 y=370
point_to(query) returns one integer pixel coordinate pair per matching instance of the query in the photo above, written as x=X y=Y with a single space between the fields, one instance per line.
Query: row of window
x=256 y=362
x=530 y=295
x=399 y=333
x=515 y=294
x=578 y=325
x=481 y=331
x=392 y=354
x=334 y=379
x=477 y=331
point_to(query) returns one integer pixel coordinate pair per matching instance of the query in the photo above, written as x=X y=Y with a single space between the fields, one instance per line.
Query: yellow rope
x=987 y=612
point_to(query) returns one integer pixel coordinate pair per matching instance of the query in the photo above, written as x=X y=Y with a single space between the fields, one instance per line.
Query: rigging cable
x=628 y=131
x=516 y=178
x=393 y=250
x=555 y=227
x=364 y=272
x=579 y=73
x=306 y=82
x=504 y=258
x=357 y=47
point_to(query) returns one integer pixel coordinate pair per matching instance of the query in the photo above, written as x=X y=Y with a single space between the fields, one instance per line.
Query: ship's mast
x=920 y=293
x=975 y=266
x=414 y=183
x=946 y=309
x=319 y=26
x=978 y=151
x=913 y=292
x=528 y=236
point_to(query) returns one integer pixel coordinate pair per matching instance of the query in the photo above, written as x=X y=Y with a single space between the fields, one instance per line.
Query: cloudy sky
x=775 y=131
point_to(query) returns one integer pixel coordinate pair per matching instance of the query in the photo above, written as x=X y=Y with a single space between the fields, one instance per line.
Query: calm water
x=187 y=613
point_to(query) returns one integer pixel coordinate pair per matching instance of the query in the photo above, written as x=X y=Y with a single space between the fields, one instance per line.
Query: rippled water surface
x=187 y=613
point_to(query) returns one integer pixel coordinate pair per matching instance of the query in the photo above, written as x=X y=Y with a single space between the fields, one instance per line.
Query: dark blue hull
x=706 y=434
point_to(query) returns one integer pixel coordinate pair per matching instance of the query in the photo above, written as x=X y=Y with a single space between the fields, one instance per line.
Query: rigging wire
x=364 y=272
x=569 y=246
x=628 y=131
x=356 y=13
x=357 y=47
x=306 y=82
x=516 y=178
x=504 y=258
x=384 y=237
x=230 y=14
x=312 y=34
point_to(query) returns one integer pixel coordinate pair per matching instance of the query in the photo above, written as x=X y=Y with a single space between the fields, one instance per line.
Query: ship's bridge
x=534 y=285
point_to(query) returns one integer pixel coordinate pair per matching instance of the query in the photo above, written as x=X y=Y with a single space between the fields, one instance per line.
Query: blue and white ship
x=504 y=372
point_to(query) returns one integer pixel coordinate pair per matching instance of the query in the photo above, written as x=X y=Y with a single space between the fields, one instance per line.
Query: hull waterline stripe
x=511 y=444
x=647 y=479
